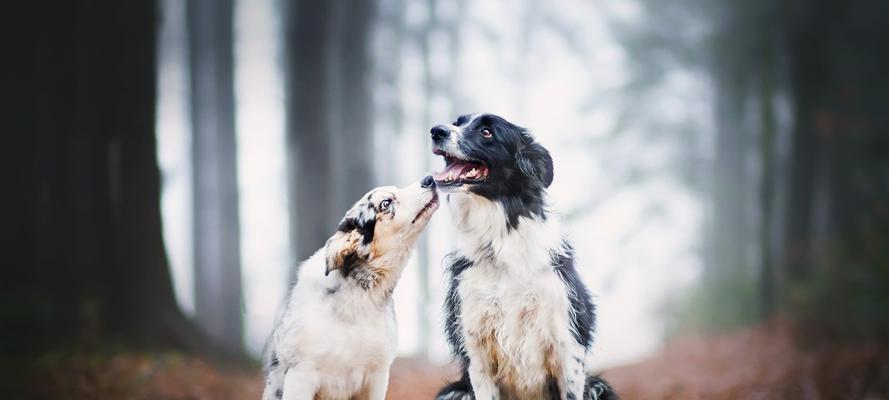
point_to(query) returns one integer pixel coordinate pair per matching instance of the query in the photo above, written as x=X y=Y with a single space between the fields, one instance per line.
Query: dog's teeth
x=472 y=173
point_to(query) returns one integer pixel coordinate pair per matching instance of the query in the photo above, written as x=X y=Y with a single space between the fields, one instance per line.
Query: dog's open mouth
x=459 y=171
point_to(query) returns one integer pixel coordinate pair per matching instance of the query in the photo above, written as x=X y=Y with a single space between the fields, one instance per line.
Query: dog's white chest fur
x=514 y=307
x=347 y=350
x=496 y=304
x=351 y=355
x=339 y=341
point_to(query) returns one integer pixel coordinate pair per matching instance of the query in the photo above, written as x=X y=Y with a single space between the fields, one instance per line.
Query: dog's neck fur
x=374 y=281
x=484 y=236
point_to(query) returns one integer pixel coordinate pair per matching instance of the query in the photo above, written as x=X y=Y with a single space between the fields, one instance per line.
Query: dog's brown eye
x=384 y=205
x=487 y=133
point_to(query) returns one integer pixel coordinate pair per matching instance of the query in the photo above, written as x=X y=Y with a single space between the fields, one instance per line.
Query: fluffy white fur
x=511 y=288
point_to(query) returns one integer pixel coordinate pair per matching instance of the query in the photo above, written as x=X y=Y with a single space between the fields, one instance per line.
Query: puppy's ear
x=536 y=163
x=343 y=251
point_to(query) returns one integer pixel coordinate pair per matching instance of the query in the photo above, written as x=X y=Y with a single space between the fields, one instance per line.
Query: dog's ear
x=535 y=162
x=344 y=251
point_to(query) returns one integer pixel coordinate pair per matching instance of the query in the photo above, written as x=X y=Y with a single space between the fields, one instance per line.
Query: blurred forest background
x=723 y=169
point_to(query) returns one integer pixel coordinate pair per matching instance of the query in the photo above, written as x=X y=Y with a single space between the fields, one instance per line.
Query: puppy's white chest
x=347 y=365
x=343 y=353
x=345 y=344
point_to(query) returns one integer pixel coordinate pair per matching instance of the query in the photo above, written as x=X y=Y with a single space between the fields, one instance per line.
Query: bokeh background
x=722 y=169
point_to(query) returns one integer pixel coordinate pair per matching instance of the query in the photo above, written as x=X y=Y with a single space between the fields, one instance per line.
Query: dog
x=337 y=336
x=518 y=318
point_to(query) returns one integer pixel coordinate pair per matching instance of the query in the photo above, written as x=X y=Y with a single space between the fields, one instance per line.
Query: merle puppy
x=518 y=316
x=337 y=336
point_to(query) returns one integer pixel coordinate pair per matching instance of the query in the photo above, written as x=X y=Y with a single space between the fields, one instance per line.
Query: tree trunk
x=312 y=218
x=767 y=154
x=216 y=238
x=729 y=227
x=804 y=146
x=389 y=113
x=83 y=246
x=329 y=128
x=350 y=110
x=838 y=180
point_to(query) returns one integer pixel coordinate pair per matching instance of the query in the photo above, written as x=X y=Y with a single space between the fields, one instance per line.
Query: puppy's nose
x=439 y=132
x=427 y=182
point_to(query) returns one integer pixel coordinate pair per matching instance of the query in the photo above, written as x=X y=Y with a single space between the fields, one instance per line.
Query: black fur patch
x=454 y=330
x=274 y=361
x=458 y=389
x=583 y=317
x=348 y=224
x=364 y=221
x=597 y=389
x=279 y=393
x=453 y=323
x=552 y=388
x=350 y=261
x=462 y=119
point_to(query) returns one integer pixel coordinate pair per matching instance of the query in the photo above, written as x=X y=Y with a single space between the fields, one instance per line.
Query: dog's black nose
x=427 y=182
x=439 y=132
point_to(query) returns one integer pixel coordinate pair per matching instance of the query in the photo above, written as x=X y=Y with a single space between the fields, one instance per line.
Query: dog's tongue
x=458 y=169
x=451 y=172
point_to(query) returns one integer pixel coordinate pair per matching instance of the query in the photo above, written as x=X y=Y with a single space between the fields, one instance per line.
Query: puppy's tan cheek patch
x=385 y=236
x=379 y=245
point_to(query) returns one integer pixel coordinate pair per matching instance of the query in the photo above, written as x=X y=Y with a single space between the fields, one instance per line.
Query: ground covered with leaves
x=768 y=362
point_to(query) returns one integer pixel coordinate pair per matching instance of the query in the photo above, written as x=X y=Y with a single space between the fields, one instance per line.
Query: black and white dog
x=337 y=336
x=518 y=317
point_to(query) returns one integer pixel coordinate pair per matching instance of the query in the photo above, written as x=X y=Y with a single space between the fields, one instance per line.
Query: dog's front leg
x=300 y=383
x=482 y=384
x=573 y=373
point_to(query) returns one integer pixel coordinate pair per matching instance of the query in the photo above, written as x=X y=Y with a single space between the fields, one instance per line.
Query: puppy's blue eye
x=384 y=205
x=487 y=133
